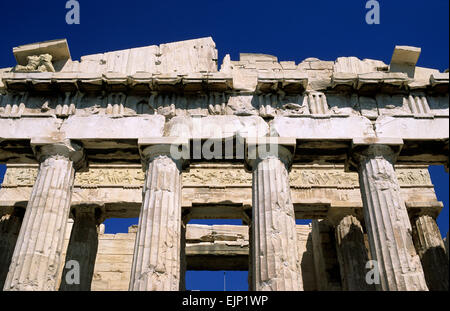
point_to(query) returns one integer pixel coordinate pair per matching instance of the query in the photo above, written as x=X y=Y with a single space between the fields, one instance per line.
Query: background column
x=325 y=259
x=82 y=248
x=430 y=246
x=9 y=232
x=352 y=253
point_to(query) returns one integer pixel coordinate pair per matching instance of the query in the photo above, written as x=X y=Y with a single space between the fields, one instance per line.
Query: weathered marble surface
x=387 y=222
x=36 y=259
x=275 y=261
x=110 y=103
x=37 y=63
x=270 y=88
x=156 y=260
x=107 y=101
x=300 y=176
x=430 y=247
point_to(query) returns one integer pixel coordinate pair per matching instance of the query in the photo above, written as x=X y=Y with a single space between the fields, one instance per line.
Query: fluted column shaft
x=352 y=254
x=183 y=262
x=156 y=260
x=36 y=260
x=275 y=259
x=430 y=246
x=387 y=222
x=9 y=232
x=82 y=248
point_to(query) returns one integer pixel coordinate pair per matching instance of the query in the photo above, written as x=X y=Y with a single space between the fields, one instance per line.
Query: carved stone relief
x=39 y=63
x=119 y=104
x=125 y=177
x=221 y=175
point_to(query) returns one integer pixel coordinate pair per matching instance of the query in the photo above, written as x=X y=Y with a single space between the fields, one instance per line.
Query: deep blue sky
x=291 y=30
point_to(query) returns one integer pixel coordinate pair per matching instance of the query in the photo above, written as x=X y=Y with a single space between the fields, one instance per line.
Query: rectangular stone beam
x=214 y=191
x=114 y=138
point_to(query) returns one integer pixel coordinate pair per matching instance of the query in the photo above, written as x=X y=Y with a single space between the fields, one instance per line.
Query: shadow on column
x=436 y=275
x=352 y=256
x=82 y=250
x=9 y=232
x=326 y=265
x=431 y=249
x=308 y=275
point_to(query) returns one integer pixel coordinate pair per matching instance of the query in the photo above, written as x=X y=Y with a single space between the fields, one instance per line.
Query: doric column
x=430 y=246
x=82 y=248
x=326 y=266
x=9 y=232
x=36 y=260
x=183 y=262
x=275 y=259
x=156 y=260
x=352 y=253
x=387 y=222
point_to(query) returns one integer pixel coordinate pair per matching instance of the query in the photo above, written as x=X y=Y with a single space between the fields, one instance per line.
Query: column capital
x=176 y=148
x=96 y=210
x=336 y=215
x=261 y=148
x=45 y=148
x=364 y=148
x=418 y=209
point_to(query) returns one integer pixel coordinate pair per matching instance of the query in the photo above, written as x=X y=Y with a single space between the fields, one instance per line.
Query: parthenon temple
x=168 y=134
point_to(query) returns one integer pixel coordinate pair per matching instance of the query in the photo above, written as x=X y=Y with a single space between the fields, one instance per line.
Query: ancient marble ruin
x=169 y=134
